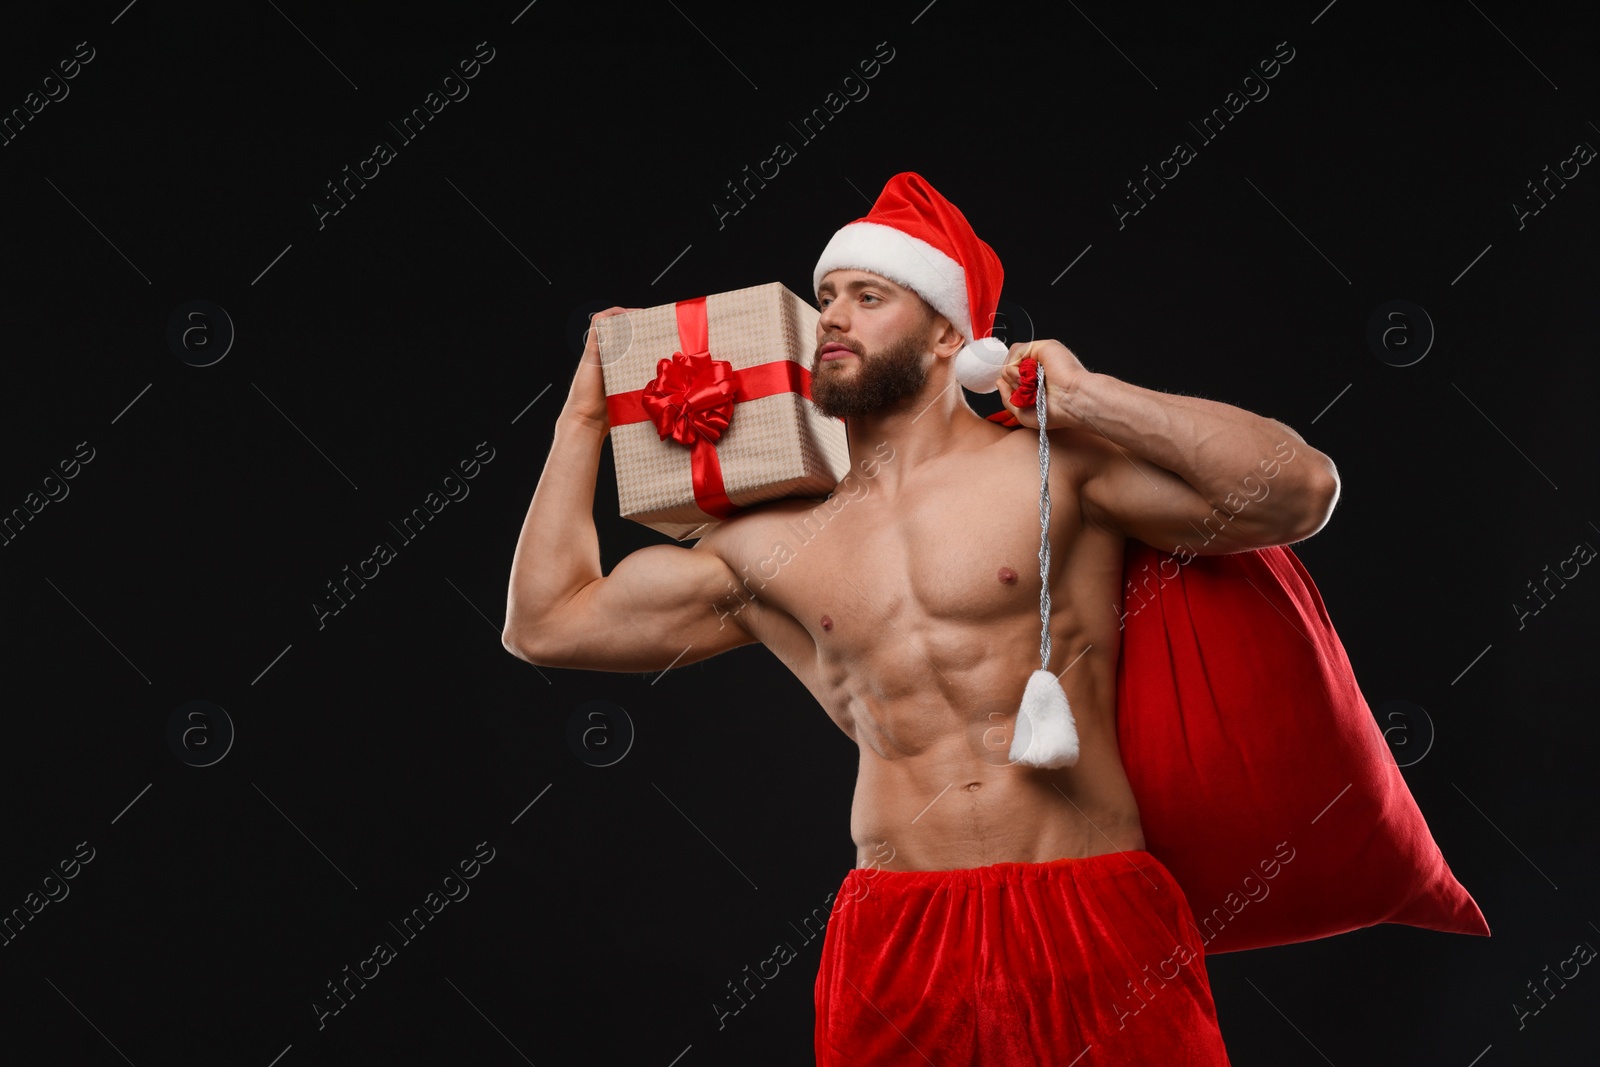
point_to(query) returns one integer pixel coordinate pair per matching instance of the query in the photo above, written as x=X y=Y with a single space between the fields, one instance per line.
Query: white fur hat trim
x=903 y=259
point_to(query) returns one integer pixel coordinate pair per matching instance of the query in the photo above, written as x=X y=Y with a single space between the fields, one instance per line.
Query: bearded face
x=868 y=383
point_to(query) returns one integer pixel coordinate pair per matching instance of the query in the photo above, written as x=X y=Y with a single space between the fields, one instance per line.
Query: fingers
x=1026 y=415
x=591 y=338
x=1022 y=350
x=1011 y=373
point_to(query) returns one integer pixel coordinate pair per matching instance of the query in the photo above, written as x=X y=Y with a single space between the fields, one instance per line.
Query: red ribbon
x=692 y=399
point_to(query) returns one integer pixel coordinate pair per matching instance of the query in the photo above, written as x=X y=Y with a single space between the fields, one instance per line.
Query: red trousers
x=1073 y=963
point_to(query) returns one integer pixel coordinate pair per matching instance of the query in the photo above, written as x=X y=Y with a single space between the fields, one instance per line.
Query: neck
x=936 y=422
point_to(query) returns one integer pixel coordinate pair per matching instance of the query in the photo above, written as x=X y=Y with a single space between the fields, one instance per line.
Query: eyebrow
x=859 y=284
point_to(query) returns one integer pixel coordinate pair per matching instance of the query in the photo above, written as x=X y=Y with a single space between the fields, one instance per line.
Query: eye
x=869 y=296
x=822 y=302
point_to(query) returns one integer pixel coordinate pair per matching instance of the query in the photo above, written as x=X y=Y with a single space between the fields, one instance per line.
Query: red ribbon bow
x=691 y=398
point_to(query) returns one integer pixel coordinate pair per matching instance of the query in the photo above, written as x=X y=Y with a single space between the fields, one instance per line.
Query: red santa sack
x=1263 y=781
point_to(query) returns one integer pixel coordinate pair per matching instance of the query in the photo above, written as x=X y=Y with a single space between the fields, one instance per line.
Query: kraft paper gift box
x=709 y=402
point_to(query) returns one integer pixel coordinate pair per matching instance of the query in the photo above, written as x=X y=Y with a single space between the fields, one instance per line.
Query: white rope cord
x=1044 y=526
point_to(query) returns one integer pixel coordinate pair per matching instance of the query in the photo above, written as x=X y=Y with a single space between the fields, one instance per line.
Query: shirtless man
x=912 y=613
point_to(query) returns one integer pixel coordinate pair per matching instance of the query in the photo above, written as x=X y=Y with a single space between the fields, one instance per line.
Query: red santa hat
x=918 y=239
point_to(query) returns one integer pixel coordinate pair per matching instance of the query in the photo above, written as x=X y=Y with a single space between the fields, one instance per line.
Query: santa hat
x=916 y=238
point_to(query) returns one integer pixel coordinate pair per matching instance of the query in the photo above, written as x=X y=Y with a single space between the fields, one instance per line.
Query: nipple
x=827 y=623
x=1008 y=576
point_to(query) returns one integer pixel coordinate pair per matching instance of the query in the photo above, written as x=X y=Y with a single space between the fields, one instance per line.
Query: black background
x=375 y=351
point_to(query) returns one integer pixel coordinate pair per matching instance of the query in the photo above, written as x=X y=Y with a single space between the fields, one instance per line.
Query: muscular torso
x=914 y=621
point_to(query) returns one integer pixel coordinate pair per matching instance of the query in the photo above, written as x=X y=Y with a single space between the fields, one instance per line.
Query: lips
x=834 y=351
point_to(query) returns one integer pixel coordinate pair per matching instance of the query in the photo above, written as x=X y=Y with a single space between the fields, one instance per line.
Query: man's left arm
x=1176 y=471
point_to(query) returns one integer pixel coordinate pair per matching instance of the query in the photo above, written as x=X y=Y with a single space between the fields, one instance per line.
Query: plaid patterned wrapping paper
x=774 y=446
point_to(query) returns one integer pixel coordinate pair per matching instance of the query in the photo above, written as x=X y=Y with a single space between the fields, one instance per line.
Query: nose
x=833 y=320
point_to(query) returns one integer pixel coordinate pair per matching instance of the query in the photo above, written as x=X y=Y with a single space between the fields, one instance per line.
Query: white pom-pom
x=979 y=363
x=1045 y=734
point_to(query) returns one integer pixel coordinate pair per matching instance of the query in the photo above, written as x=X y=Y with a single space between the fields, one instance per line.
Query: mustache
x=826 y=341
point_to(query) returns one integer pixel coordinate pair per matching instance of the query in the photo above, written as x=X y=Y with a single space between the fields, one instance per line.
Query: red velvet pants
x=1073 y=963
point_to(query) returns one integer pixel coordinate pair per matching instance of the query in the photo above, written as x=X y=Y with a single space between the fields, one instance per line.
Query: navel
x=973 y=787
x=1008 y=576
x=827 y=623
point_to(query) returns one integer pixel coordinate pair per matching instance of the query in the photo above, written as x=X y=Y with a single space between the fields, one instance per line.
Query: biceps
x=661 y=606
x=1143 y=500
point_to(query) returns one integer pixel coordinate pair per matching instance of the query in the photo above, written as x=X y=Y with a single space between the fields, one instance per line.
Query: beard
x=881 y=381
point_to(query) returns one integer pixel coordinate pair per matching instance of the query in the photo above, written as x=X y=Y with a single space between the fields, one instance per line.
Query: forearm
x=1212 y=446
x=558 y=551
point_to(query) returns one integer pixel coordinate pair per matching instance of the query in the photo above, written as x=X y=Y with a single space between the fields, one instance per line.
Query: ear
x=947 y=340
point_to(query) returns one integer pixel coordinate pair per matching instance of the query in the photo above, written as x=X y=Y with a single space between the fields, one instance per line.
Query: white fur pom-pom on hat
x=979 y=363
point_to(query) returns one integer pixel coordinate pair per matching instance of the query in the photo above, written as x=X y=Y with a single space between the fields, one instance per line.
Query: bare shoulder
x=740 y=540
x=1077 y=453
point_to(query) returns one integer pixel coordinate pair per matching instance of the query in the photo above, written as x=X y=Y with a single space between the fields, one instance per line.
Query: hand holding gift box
x=586 y=398
x=709 y=404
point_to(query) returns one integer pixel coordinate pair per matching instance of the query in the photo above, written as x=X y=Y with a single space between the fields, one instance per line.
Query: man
x=998 y=912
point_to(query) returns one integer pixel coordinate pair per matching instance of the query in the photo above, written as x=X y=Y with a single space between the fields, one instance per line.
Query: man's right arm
x=660 y=606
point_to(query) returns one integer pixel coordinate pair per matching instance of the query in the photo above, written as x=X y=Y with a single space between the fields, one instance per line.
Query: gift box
x=709 y=402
